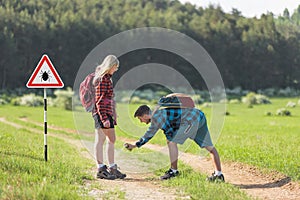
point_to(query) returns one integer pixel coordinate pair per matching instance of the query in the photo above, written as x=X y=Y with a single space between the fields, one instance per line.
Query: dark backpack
x=176 y=102
x=87 y=93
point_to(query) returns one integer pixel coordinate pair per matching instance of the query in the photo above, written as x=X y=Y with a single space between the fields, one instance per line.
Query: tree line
x=253 y=53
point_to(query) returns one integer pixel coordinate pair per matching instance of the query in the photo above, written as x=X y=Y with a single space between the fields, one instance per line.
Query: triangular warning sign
x=45 y=75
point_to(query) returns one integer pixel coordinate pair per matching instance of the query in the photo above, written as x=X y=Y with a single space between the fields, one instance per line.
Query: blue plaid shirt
x=169 y=120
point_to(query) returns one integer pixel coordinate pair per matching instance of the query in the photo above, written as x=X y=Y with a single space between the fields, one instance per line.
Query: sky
x=250 y=8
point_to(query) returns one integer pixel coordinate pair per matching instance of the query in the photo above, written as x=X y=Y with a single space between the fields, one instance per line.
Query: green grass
x=248 y=136
x=25 y=174
x=269 y=142
x=55 y=116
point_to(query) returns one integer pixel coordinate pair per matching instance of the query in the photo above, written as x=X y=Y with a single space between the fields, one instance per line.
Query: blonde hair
x=102 y=69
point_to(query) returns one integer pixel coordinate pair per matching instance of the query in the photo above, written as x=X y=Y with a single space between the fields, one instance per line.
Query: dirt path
x=247 y=178
x=137 y=187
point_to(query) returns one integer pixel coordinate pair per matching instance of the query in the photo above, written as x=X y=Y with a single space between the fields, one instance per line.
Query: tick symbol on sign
x=45 y=75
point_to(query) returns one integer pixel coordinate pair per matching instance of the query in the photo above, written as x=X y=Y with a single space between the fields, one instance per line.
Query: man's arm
x=143 y=140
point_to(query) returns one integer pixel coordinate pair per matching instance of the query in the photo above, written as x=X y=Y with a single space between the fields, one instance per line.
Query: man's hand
x=129 y=146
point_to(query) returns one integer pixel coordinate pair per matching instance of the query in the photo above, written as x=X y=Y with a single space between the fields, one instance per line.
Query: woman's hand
x=106 y=124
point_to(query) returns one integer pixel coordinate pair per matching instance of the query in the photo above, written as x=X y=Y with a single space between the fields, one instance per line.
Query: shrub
x=205 y=95
x=64 y=98
x=262 y=99
x=3 y=102
x=224 y=101
x=237 y=91
x=146 y=94
x=15 y=101
x=291 y=104
x=125 y=100
x=253 y=98
x=234 y=101
x=31 y=100
x=268 y=92
x=51 y=101
x=283 y=112
x=159 y=94
x=137 y=100
x=5 y=99
x=268 y=113
x=249 y=99
x=28 y=100
x=197 y=99
x=288 y=92
x=227 y=113
x=122 y=94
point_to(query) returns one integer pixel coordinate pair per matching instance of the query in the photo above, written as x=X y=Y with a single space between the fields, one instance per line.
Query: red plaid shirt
x=104 y=98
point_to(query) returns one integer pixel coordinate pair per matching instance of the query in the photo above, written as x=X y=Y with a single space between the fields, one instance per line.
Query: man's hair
x=142 y=110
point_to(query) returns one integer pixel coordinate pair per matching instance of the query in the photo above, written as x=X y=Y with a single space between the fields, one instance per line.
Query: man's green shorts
x=197 y=131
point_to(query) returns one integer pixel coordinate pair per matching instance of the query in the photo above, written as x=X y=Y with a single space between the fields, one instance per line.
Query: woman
x=104 y=115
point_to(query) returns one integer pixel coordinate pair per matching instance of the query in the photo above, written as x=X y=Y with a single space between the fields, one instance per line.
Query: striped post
x=45 y=124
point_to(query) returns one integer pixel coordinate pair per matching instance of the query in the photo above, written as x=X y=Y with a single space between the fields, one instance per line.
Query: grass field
x=248 y=136
x=269 y=142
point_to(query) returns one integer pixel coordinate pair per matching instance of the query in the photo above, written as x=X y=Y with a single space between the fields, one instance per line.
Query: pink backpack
x=87 y=93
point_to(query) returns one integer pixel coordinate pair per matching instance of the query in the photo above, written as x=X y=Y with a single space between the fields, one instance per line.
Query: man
x=178 y=124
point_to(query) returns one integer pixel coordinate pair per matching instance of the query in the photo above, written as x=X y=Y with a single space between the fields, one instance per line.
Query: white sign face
x=45 y=75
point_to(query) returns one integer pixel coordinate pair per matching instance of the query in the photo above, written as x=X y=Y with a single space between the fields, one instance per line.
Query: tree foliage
x=250 y=52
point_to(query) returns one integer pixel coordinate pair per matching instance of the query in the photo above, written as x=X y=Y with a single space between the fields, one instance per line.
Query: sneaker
x=103 y=173
x=114 y=171
x=214 y=178
x=169 y=174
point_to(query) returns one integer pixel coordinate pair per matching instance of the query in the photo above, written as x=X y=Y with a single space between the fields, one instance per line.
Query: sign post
x=45 y=76
x=45 y=126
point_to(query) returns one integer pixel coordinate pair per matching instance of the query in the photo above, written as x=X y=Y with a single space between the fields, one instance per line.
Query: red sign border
x=46 y=59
